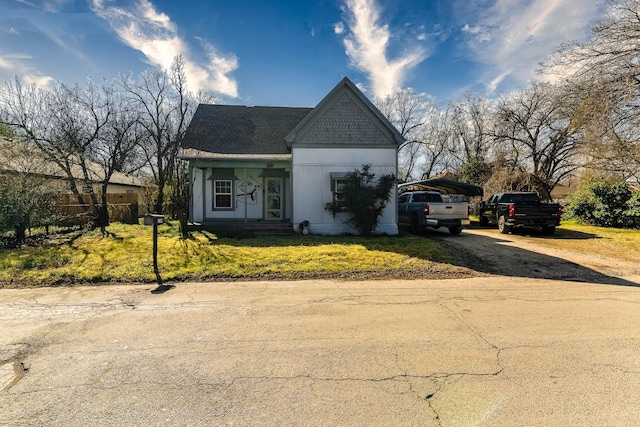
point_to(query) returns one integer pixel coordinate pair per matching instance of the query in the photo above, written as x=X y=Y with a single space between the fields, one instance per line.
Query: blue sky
x=291 y=53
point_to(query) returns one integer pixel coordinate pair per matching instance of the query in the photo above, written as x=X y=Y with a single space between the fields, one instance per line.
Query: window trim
x=336 y=178
x=230 y=194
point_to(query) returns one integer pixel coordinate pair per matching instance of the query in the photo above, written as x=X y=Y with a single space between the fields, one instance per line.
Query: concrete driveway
x=485 y=351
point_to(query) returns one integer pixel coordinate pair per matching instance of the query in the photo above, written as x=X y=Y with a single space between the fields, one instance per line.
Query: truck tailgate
x=536 y=211
x=448 y=210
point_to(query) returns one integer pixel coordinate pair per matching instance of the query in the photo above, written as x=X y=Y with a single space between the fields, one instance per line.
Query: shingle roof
x=235 y=129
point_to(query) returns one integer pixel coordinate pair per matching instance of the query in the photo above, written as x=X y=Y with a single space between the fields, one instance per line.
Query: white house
x=280 y=164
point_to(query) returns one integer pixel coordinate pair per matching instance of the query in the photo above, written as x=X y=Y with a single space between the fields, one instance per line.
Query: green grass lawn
x=126 y=256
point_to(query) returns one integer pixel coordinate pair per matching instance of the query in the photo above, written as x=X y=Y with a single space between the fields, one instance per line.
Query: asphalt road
x=494 y=350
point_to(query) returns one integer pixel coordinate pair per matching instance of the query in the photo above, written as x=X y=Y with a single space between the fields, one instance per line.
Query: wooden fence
x=123 y=207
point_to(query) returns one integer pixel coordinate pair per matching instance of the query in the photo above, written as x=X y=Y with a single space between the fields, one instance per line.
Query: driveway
x=493 y=350
x=488 y=251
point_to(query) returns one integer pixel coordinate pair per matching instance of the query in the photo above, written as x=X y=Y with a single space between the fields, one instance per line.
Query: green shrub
x=363 y=201
x=633 y=210
x=605 y=203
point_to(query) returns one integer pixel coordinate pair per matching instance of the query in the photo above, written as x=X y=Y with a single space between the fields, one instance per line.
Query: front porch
x=240 y=227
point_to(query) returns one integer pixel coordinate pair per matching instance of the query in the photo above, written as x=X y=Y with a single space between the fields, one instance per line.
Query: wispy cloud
x=55 y=6
x=17 y=64
x=367 y=45
x=143 y=28
x=512 y=37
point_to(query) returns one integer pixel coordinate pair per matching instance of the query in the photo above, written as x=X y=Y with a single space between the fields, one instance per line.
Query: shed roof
x=237 y=129
x=32 y=162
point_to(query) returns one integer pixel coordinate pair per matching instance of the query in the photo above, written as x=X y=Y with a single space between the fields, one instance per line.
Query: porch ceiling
x=193 y=154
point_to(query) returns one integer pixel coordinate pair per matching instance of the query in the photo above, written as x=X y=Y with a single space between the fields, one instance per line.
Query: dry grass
x=126 y=256
x=618 y=242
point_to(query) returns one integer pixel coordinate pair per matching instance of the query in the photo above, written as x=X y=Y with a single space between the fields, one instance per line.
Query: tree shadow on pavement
x=491 y=255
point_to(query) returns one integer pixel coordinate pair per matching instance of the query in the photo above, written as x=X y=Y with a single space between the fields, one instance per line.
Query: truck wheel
x=454 y=231
x=415 y=226
x=548 y=229
x=484 y=220
x=503 y=227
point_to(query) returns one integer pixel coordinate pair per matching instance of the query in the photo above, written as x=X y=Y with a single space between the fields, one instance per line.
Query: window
x=338 y=182
x=222 y=194
x=338 y=190
x=426 y=197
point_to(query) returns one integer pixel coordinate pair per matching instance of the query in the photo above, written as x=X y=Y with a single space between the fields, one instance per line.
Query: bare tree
x=614 y=47
x=605 y=73
x=165 y=107
x=116 y=148
x=408 y=112
x=543 y=131
x=435 y=140
x=89 y=132
x=472 y=122
x=63 y=123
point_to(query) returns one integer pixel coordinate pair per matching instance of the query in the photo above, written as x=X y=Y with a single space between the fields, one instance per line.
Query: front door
x=273 y=199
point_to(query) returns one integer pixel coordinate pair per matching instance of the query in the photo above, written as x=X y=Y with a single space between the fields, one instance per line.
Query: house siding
x=311 y=180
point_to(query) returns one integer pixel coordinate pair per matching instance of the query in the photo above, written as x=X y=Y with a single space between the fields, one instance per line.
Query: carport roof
x=444 y=185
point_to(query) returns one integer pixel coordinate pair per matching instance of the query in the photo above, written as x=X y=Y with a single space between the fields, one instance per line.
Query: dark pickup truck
x=511 y=210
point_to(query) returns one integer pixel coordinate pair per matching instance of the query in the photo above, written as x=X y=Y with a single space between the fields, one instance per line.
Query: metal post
x=154 y=219
x=155 y=252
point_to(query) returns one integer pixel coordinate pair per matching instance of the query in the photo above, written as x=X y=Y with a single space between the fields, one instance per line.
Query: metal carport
x=443 y=185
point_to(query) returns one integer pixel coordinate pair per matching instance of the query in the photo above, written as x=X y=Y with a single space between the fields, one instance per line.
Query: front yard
x=126 y=256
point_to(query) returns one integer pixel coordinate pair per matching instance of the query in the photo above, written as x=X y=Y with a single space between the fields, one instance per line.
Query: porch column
x=245 y=194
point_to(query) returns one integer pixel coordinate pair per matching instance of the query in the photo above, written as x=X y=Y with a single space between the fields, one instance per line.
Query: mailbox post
x=155 y=219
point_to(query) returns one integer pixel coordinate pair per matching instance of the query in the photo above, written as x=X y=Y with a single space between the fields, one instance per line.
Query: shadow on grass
x=484 y=254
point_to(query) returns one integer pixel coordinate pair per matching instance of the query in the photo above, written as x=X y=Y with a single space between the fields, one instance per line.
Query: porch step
x=238 y=227
x=269 y=228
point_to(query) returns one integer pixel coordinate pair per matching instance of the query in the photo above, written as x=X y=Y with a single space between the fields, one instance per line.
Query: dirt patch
x=488 y=251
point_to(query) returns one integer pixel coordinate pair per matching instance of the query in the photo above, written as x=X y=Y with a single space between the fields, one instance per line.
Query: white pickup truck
x=421 y=209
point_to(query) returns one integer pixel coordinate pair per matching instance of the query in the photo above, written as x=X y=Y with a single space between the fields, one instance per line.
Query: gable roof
x=360 y=110
x=240 y=130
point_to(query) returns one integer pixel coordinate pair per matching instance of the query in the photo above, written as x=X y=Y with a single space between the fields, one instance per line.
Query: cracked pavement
x=491 y=350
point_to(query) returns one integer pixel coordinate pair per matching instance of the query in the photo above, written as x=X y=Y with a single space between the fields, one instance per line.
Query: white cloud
x=54 y=6
x=513 y=37
x=153 y=33
x=366 y=46
x=338 y=28
x=25 y=2
x=39 y=80
x=17 y=64
x=481 y=33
